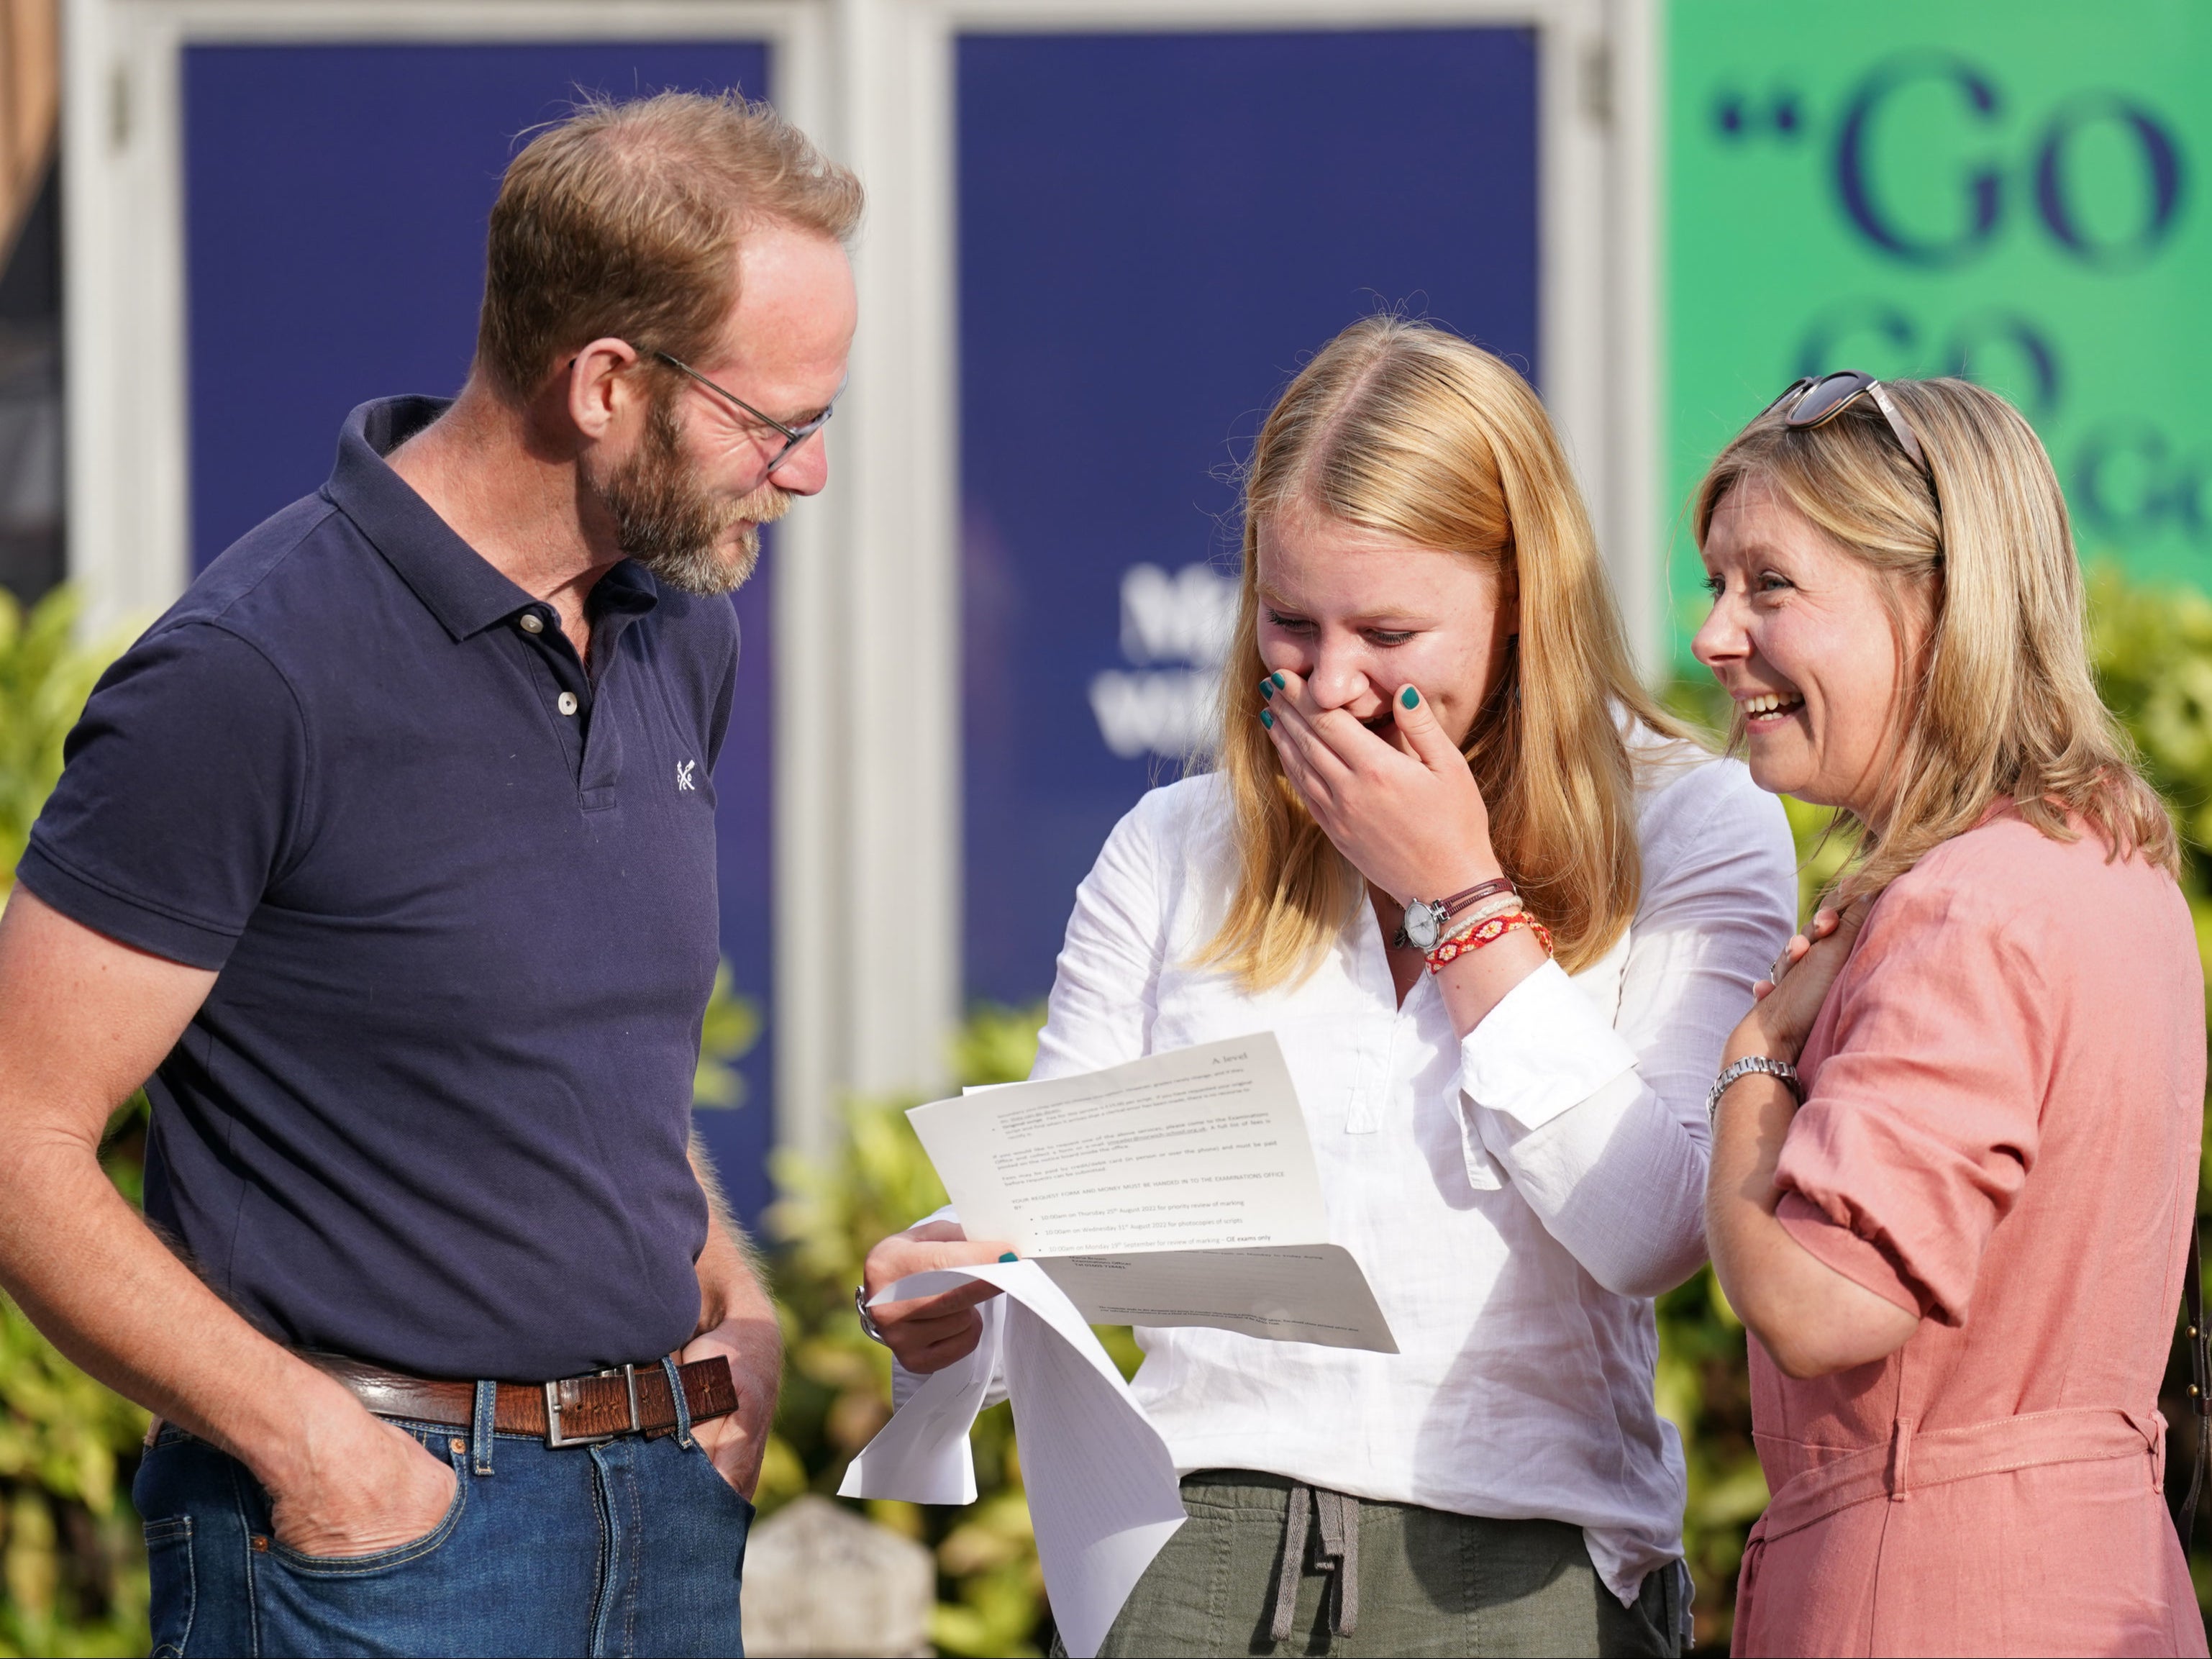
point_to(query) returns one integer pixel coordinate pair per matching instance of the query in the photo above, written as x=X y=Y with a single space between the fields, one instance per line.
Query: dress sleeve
x=1922 y=1121
x=1601 y=1124
x=180 y=798
x=1105 y=988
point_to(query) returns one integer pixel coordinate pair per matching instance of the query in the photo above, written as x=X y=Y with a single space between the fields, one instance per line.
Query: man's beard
x=673 y=527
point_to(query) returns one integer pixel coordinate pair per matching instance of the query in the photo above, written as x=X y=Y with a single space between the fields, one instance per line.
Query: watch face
x=1421 y=926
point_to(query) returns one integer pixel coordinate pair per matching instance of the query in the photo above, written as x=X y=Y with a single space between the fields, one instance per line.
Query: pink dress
x=2001 y=1133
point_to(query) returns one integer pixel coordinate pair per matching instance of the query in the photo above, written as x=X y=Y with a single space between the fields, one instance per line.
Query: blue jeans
x=631 y=1547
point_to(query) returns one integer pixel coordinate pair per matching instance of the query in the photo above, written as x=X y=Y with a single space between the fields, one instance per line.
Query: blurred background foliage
x=836 y=1389
x=72 y=1575
x=45 y=676
x=72 y=1565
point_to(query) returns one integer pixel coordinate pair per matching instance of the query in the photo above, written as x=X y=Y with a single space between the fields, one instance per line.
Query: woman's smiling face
x=1802 y=641
x=1356 y=614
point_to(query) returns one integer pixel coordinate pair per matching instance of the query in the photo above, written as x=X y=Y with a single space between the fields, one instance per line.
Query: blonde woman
x=1429 y=697
x=1961 y=1255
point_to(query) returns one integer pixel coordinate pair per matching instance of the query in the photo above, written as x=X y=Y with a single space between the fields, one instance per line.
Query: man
x=386 y=861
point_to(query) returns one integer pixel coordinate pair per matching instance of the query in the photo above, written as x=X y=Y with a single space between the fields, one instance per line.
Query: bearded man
x=386 y=862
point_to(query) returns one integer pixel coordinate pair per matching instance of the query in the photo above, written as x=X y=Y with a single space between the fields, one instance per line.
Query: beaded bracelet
x=1487 y=932
x=1503 y=904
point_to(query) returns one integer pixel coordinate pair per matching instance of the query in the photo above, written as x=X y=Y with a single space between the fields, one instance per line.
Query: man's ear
x=598 y=386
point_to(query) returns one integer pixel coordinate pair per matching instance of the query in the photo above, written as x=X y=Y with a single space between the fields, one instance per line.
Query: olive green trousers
x=1412 y=1581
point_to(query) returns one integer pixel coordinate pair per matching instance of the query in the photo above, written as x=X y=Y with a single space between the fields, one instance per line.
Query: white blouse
x=1516 y=1199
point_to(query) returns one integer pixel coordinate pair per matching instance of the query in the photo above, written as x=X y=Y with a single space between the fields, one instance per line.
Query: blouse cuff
x=1839 y=1248
x=1542 y=1050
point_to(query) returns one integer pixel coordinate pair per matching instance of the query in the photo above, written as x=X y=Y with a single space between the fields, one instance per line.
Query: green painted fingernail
x=1010 y=1256
x=1266 y=720
x=1278 y=679
x=1268 y=690
x=1410 y=698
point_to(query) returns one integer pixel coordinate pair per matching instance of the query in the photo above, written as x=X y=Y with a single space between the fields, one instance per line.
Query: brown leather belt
x=576 y=1410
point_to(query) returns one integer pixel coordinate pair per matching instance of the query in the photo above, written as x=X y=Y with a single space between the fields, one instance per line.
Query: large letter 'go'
x=1984 y=183
x=2161 y=162
x=1984 y=186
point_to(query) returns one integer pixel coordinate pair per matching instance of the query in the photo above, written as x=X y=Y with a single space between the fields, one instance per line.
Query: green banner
x=2011 y=190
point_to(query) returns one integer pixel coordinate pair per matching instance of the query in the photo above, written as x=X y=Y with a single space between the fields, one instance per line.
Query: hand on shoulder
x=1786 y=1003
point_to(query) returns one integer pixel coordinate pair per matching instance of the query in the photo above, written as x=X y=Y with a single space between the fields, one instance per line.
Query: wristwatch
x=1425 y=918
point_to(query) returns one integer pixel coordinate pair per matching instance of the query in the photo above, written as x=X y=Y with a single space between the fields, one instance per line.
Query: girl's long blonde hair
x=2004 y=706
x=1401 y=428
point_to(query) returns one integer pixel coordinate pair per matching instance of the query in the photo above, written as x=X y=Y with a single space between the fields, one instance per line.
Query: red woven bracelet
x=1487 y=932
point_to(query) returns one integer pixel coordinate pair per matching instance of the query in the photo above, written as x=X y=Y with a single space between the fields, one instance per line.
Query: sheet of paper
x=1179 y=1189
x=1103 y=1492
x=921 y=1455
x=1204 y=1148
x=1289 y=1294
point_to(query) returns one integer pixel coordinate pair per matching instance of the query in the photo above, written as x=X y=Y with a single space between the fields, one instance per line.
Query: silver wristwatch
x=1745 y=1067
x=1424 y=924
x=1426 y=920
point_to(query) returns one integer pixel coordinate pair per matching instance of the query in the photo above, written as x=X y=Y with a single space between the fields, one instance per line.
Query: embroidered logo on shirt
x=683 y=775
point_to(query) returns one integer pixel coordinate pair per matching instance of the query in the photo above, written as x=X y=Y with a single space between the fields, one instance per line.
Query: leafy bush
x=45 y=677
x=71 y=1562
x=836 y=1389
x=2152 y=652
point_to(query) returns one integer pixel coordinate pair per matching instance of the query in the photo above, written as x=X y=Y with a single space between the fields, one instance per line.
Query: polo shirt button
x=567 y=703
x=532 y=623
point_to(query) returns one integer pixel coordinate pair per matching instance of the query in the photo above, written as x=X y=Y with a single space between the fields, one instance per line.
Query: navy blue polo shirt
x=460 y=893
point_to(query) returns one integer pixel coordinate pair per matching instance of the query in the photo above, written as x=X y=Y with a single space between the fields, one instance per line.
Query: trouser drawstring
x=1336 y=1552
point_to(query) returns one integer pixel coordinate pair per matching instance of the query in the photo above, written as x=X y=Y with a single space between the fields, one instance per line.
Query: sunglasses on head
x=1818 y=399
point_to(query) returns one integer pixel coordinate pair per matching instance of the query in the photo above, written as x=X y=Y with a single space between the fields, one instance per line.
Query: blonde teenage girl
x=1500 y=918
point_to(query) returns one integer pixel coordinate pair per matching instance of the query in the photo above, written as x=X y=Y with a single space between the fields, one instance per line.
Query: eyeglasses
x=793 y=435
x=1820 y=399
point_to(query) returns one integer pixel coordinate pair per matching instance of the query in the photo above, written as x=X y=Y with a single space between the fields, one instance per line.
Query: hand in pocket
x=362 y=1493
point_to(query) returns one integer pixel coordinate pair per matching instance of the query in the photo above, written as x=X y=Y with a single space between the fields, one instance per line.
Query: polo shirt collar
x=456 y=584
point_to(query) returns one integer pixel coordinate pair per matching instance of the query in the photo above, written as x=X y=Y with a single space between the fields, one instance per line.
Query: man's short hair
x=625 y=221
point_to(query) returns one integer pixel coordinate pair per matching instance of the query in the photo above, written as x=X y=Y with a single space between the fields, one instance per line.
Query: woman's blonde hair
x=2004 y=705
x=1400 y=428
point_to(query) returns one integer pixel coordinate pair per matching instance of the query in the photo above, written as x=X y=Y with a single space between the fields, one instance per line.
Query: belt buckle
x=555 y=1439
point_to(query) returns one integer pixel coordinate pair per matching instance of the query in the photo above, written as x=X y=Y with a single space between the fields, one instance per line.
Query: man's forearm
x=83 y=1021
x=94 y=1279
x=733 y=1294
x=730 y=1286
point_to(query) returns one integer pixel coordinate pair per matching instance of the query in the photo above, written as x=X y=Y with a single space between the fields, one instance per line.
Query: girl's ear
x=1509 y=598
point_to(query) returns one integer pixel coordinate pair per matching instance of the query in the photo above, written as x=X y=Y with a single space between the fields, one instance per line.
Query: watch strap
x=1444 y=909
x=1480 y=890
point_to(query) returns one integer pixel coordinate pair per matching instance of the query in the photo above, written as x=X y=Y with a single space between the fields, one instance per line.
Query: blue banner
x=1155 y=231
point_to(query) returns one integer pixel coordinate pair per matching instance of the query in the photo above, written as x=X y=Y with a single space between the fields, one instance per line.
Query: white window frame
x=868 y=916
